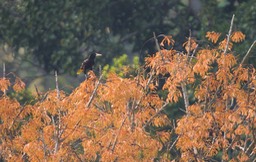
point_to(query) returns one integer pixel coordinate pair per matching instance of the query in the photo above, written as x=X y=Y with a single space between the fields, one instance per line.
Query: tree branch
x=4 y=75
x=56 y=140
x=119 y=129
x=72 y=131
x=248 y=52
x=185 y=95
x=173 y=144
x=155 y=115
x=189 y=42
x=149 y=80
x=229 y=34
x=94 y=92
x=57 y=85
x=158 y=47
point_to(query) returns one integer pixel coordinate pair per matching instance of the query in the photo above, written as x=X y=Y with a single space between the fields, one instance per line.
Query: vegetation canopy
x=113 y=118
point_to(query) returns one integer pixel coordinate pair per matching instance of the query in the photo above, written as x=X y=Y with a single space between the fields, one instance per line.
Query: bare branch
x=115 y=140
x=4 y=76
x=150 y=79
x=57 y=85
x=45 y=148
x=189 y=43
x=229 y=34
x=3 y=70
x=193 y=54
x=155 y=115
x=157 y=46
x=56 y=140
x=94 y=92
x=185 y=95
x=248 y=52
x=71 y=132
x=77 y=156
x=173 y=144
x=15 y=118
x=37 y=92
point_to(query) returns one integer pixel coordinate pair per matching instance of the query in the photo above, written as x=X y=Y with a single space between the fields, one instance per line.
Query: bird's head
x=94 y=54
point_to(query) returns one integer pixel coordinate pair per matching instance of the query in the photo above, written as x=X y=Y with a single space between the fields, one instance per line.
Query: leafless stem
x=248 y=52
x=57 y=85
x=173 y=144
x=150 y=79
x=193 y=54
x=56 y=135
x=115 y=140
x=155 y=115
x=3 y=70
x=182 y=110
x=248 y=90
x=76 y=125
x=4 y=76
x=45 y=149
x=231 y=144
x=185 y=95
x=16 y=117
x=157 y=46
x=229 y=34
x=94 y=92
x=77 y=156
x=37 y=92
x=146 y=89
x=189 y=43
x=253 y=144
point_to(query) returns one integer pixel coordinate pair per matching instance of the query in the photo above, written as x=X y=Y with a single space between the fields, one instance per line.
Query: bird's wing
x=81 y=69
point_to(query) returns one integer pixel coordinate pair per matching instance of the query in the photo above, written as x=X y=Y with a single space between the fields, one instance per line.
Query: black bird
x=88 y=63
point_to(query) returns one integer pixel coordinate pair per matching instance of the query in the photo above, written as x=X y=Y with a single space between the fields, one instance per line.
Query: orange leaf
x=213 y=36
x=237 y=36
x=19 y=85
x=4 y=84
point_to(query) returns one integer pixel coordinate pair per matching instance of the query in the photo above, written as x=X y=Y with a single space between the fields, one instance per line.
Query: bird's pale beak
x=98 y=54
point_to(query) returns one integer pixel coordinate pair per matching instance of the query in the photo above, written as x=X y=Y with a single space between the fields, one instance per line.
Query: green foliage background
x=39 y=37
x=56 y=33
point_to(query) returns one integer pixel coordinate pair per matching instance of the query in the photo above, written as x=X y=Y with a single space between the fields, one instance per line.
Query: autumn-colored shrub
x=111 y=119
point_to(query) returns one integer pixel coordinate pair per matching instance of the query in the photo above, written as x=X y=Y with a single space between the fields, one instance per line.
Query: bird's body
x=88 y=63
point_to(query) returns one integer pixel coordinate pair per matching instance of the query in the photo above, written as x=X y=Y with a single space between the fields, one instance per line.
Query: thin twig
x=193 y=54
x=93 y=93
x=3 y=70
x=146 y=89
x=253 y=144
x=72 y=131
x=150 y=79
x=158 y=47
x=15 y=118
x=173 y=144
x=248 y=89
x=119 y=130
x=185 y=95
x=56 y=146
x=155 y=115
x=37 y=92
x=4 y=76
x=45 y=149
x=229 y=34
x=57 y=85
x=248 y=52
x=189 y=42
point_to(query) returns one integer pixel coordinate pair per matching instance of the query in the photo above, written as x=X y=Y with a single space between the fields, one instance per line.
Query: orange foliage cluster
x=68 y=128
x=110 y=120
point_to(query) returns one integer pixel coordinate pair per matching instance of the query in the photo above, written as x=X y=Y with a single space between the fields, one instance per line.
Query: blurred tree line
x=57 y=35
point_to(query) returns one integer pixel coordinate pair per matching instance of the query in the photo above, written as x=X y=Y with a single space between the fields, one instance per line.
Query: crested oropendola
x=88 y=63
